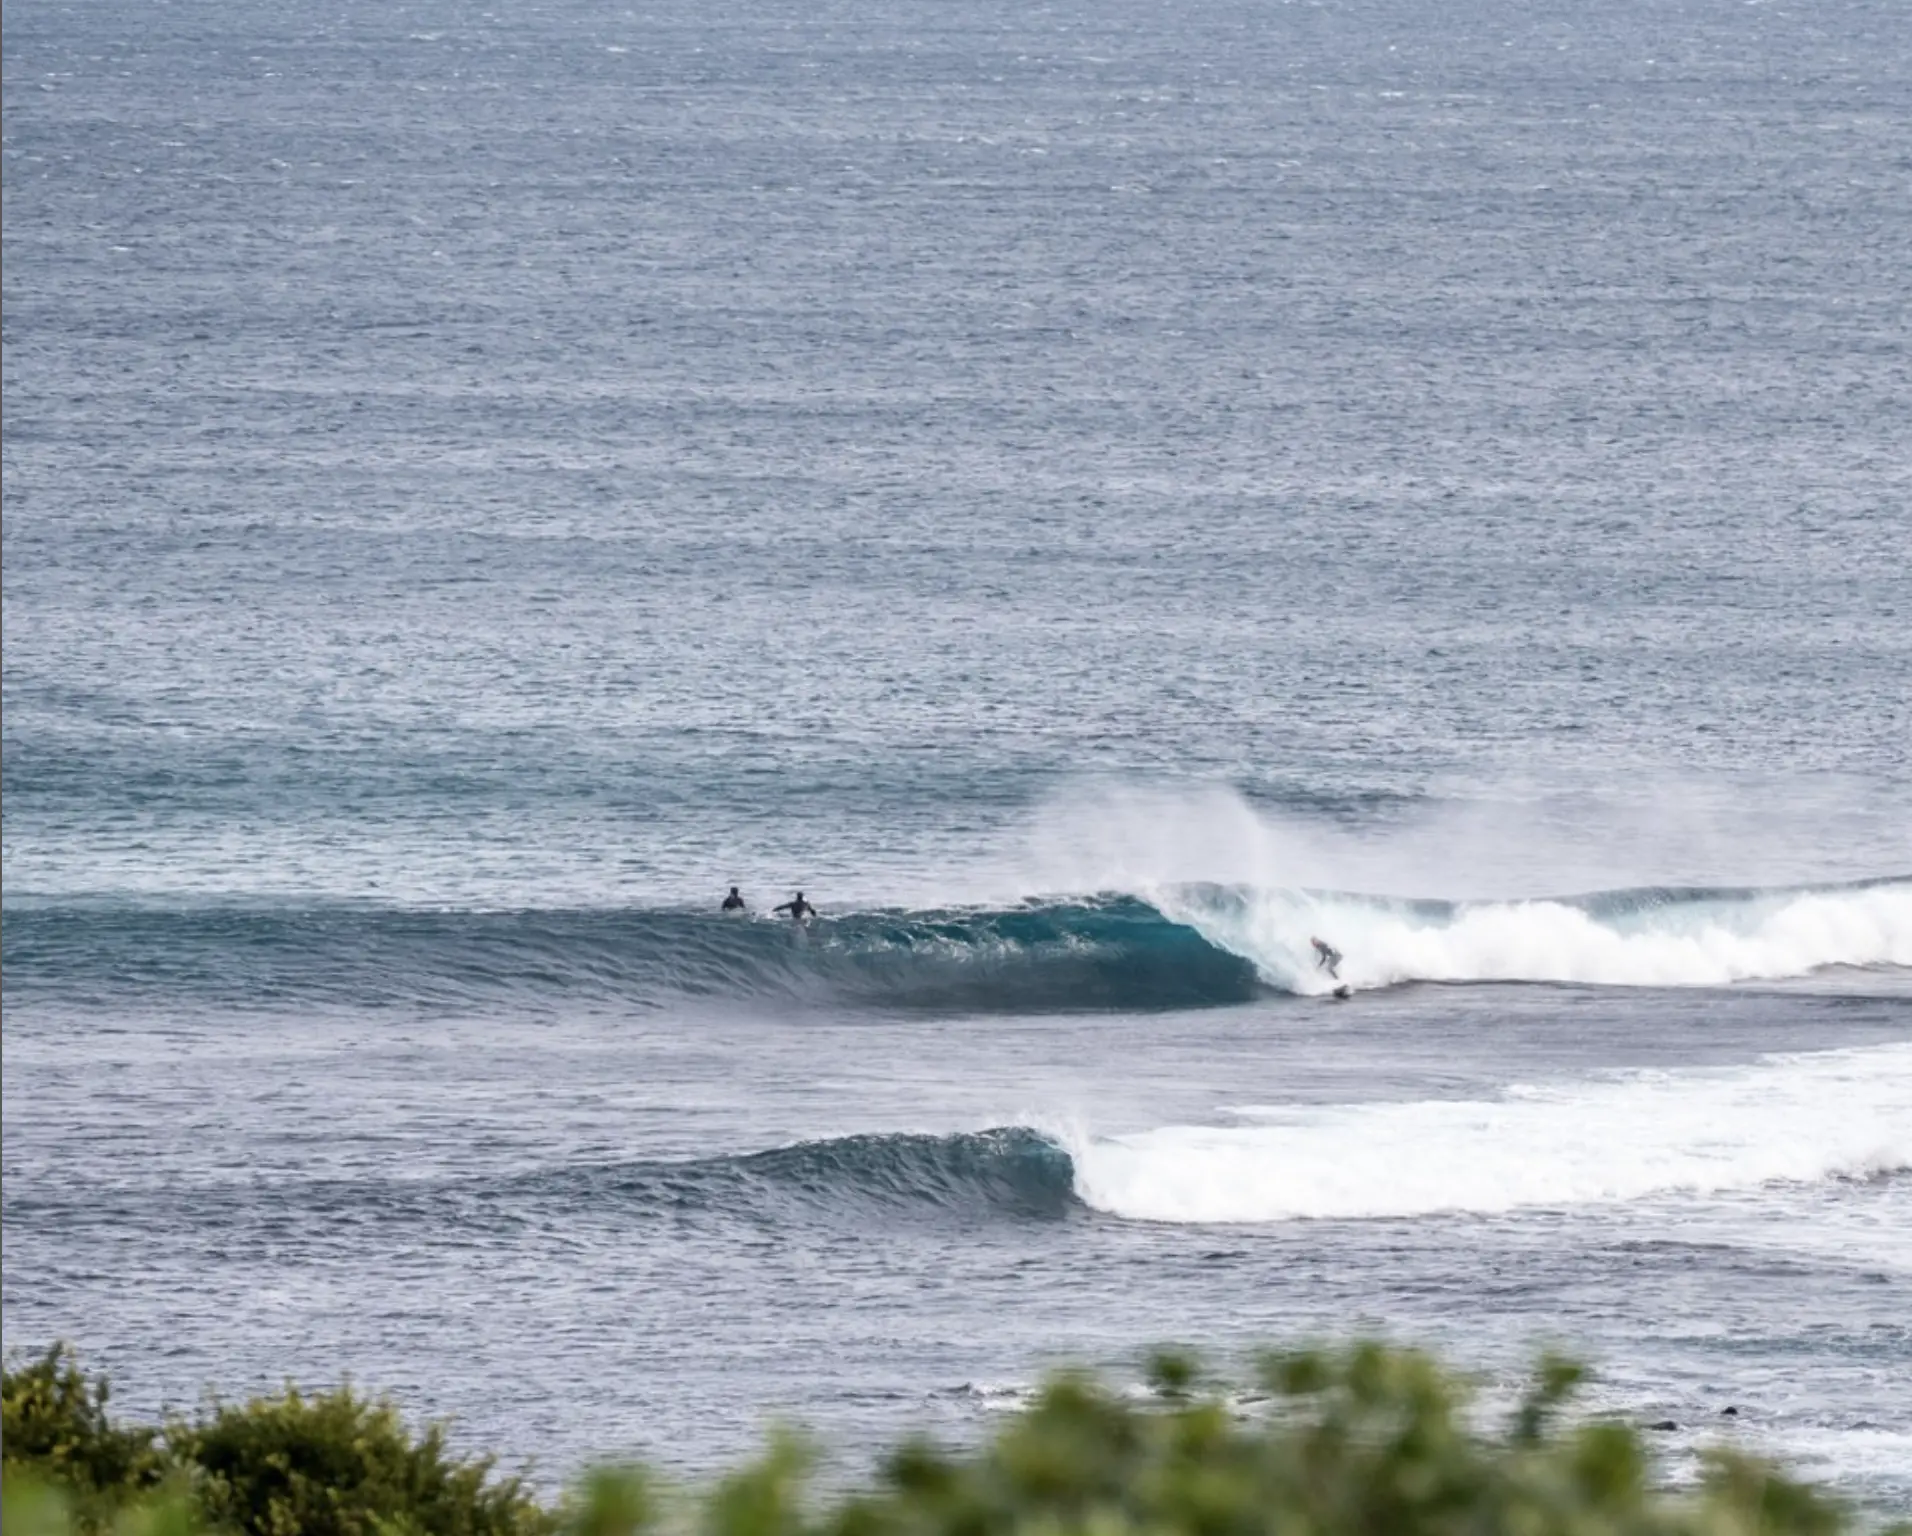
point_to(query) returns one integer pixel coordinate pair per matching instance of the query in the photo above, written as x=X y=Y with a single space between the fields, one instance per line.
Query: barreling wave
x=1182 y=947
x=1109 y=953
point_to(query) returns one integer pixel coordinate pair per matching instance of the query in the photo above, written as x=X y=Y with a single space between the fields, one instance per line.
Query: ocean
x=1096 y=496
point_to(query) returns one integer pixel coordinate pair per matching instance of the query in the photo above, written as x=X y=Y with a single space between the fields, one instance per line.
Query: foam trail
x=1627 y=939
x=1798 y=1118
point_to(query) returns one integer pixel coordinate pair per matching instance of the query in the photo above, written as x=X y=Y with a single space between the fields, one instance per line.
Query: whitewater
x=1792 y=1119
x=1693 y=938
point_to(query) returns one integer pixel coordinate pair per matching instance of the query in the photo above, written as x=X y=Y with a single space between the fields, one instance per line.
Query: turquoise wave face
x=1118 y=953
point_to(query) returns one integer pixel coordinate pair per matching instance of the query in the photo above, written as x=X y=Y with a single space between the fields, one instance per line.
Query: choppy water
x=1096 y=496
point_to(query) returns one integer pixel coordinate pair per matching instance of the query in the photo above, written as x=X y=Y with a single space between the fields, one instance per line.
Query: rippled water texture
x=1097 y=496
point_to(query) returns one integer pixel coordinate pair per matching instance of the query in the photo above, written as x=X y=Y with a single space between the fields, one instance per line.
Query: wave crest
x=1005 y=1171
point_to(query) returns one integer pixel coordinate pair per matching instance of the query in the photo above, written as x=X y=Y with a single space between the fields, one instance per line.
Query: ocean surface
x=1096 y=495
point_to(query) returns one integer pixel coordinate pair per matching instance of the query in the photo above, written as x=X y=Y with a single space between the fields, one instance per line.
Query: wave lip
x=1797 y=1118
x=1008 y=1169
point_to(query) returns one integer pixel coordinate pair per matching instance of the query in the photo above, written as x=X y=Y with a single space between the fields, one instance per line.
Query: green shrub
x=53 y=1420
x=31 y=1506
x=337 y=1464
x=334 y=1464
x=1369 y=1441
x=1364 y=1441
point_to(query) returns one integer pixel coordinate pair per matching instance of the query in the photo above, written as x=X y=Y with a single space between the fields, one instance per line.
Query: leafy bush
x=337 y=1464
x=1365 y=1441
x=31 y=1506
x=333 y=1464
x=1369 y=1441
x=54 y=1420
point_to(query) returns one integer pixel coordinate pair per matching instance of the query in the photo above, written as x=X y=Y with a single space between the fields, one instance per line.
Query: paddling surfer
x=798 y=909
x=734 y=902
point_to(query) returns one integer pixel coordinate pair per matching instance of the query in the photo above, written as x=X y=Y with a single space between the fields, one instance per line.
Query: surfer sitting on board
x=798 y=909
x=1327 y=958
x=733 y=902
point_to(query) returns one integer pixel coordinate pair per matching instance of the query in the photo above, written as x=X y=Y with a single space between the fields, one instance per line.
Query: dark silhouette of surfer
x=1327 y=958
x=798 y=909
x=734 y=902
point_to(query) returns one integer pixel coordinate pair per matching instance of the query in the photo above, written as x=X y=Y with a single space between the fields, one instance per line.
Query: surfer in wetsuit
x=1327 y=958
x=798 y=909
x=734 y=902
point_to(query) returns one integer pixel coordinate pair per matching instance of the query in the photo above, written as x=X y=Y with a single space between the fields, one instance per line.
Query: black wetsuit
x=798 y=909
x=733 y=902
x=1327 y=958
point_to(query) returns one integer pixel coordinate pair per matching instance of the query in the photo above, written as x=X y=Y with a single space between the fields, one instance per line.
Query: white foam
x=1798 y=1118
x=1686 y=943
x=1253 y=883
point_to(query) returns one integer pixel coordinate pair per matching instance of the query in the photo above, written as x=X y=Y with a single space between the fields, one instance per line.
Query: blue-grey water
x=1096 y=495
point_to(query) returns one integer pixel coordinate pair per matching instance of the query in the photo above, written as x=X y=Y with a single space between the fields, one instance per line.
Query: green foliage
x=333 y=1464
x=31 y=1506
x=337 y=1464
x=613 y=1501
x=1364 y=1441
x=53 y=1419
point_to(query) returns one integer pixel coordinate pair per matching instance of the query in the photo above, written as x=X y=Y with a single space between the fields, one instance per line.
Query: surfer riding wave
x=1327 y=958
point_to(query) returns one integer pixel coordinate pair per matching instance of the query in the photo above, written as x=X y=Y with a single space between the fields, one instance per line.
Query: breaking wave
x=1658 y=936
x=1008 y=1170
x=1798 y=1119
x=1795 y=1119
x=1175 y=947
